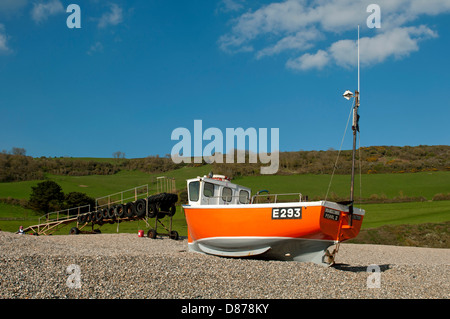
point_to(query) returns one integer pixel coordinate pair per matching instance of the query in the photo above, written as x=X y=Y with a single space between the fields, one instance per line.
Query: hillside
x=374 y=160
x=371 y=160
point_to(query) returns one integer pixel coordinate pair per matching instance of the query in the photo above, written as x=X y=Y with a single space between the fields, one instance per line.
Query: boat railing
x=276 y=198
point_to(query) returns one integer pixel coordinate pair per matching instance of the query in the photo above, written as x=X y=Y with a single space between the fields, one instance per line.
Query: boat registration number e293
x=287 y=213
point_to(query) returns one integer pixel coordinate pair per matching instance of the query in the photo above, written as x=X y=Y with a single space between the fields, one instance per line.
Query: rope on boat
x=340 y=148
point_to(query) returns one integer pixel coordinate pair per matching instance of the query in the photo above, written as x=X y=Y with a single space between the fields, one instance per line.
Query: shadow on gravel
x=346 y=267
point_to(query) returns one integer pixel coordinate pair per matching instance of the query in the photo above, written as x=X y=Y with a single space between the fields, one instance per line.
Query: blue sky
x=137 y=70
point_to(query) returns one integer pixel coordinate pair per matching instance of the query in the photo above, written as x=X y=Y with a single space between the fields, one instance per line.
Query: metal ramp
x=51 y=222
x=50 y=227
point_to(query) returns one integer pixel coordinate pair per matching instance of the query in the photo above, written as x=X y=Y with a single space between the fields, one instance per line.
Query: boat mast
x=355 y=128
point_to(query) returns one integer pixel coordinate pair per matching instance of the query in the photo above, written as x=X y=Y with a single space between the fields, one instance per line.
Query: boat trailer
x=154 y=206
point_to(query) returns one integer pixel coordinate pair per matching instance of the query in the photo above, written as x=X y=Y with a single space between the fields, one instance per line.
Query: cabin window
x=226 y=194
x=244 y=197
x=208 y=190
x=194 y=188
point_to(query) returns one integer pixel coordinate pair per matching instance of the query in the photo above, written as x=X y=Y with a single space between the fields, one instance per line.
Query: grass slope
x=426 y=184
x=101 y=185
x=405 y=213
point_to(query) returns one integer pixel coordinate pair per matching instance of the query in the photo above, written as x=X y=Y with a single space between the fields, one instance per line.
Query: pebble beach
x=111 y=266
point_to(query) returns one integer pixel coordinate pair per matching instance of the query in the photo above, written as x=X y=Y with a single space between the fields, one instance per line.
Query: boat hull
x=261 y=230
x=276 y=248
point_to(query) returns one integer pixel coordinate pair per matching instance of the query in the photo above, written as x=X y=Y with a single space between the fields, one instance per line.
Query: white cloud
x=300 y=41
x=397 y=43
x=230 y=5
x=309 y=61
x=112 y=17
x=97 y=47
x=41 y=11
x=299 y=25
x=4 y=49
x=273 y=18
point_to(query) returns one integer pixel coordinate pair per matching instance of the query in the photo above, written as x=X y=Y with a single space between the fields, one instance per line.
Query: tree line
x=16 y=166
x=371 y=160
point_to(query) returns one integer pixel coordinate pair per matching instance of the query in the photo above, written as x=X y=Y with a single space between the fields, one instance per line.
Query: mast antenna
x=355 y=128
x=358 y=60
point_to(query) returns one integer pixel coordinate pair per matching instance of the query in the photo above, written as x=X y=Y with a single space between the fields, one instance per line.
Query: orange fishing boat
x=223 y=218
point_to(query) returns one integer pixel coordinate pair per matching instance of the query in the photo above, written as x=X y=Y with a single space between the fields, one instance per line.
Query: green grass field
x=425 y=184
x=102 y=185
x=405 y=213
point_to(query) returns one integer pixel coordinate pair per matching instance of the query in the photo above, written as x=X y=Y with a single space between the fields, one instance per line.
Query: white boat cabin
x=216 y=190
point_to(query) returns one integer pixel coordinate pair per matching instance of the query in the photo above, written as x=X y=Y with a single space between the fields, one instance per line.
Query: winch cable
x=340 y=148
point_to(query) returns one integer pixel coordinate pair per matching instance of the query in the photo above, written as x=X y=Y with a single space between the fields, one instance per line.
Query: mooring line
x=340 y=148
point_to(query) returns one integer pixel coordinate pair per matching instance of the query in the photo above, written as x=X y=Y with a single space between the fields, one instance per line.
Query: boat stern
x=341 y=222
